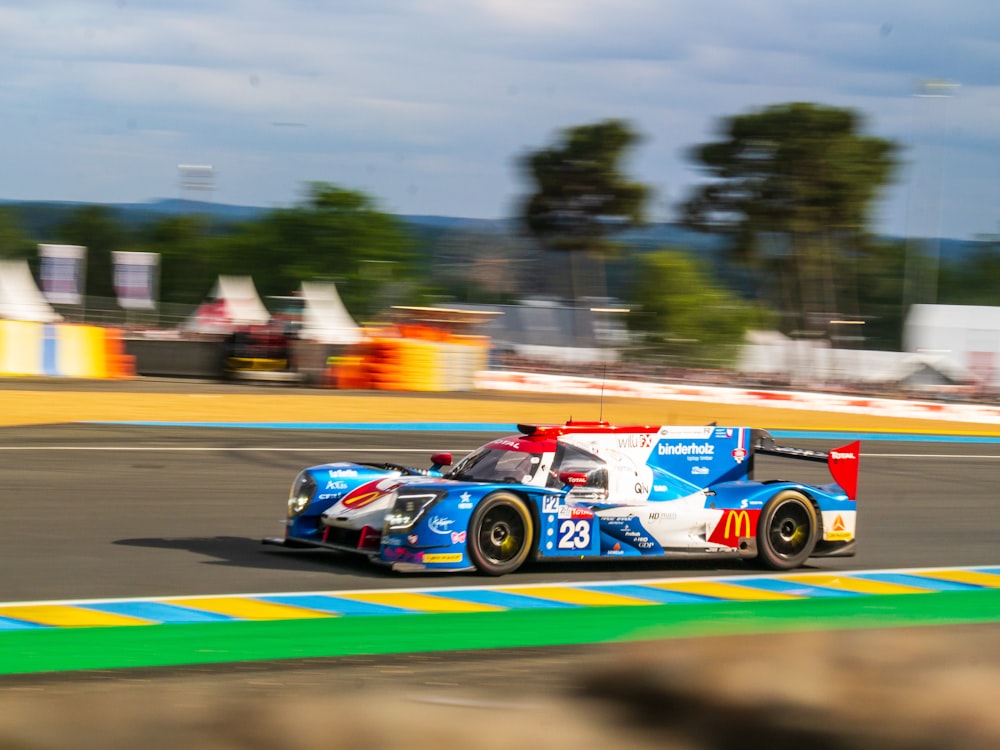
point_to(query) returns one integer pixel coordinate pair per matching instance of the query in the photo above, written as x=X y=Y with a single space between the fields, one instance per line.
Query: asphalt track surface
x=95 y=511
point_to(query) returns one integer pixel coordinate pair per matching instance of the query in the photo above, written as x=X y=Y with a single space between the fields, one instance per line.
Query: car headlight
x=408 y=509
x=301 y=493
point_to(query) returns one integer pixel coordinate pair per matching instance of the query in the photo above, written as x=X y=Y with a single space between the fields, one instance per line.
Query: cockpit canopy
x=500 y=464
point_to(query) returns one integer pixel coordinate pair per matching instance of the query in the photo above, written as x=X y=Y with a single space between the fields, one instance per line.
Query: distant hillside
x=39 y=218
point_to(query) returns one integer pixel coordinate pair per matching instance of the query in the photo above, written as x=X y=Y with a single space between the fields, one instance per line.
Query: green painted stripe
x=47 y=650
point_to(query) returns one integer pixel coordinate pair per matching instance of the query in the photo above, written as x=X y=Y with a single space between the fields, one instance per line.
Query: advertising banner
x=135 y=279
x=61 y=270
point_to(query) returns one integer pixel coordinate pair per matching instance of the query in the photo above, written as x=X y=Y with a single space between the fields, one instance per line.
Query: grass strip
x=70 y=649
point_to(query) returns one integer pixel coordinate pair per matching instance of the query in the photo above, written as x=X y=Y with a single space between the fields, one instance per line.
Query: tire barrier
x=62 y=350
x=437 y=363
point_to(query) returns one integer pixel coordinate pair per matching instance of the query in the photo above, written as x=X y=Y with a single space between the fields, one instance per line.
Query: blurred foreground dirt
x=913 y=689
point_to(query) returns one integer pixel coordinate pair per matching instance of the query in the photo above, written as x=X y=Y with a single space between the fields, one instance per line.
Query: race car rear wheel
x=500 y=534
x=787 y=531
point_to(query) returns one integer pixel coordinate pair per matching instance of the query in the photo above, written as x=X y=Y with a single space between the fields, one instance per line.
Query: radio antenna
x=604 y=376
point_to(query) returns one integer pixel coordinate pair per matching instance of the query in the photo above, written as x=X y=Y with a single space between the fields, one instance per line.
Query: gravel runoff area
x=24 y=402
x=913 y=688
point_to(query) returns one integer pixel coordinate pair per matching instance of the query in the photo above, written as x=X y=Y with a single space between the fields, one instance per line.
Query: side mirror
x=440 y=459
x=573 y=478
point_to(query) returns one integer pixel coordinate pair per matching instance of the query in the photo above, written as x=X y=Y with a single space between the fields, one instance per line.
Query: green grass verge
x=51 y=650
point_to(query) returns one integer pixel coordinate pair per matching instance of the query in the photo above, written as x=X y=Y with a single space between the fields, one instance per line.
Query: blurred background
x=787 y=197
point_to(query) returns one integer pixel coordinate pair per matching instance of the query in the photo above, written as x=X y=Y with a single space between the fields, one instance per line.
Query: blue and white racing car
x=579 y=491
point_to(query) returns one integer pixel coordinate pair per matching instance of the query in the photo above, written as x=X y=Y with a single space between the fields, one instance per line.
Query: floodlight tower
x=196 y=180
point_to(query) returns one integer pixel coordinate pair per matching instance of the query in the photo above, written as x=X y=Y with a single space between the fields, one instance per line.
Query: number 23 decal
x=574 y=534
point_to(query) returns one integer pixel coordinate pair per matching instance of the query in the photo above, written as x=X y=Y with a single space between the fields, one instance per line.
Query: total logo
x=440 y=524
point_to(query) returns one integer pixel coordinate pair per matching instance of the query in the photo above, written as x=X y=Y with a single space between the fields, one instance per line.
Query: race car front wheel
x=500 y=534
x=786 y=531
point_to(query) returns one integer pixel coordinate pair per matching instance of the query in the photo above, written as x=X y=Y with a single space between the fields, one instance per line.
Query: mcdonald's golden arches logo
x=734 y=524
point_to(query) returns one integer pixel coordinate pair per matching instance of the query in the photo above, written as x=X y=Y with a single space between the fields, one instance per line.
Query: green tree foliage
x=189 y=257
x=580 y=195
x=880 y=295
x=13 y=242
x=683 y=313
x=973 y=279
x=794 y=185
x=99 y=230
x=334 y=234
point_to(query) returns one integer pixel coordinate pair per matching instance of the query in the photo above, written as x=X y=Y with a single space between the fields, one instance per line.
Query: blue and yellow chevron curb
x=314 y=605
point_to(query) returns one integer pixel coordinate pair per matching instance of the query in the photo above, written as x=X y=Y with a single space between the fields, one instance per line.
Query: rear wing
x=843 y=461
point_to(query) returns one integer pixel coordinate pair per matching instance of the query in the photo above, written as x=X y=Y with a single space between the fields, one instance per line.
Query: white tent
x=20 y=298
x=242 y=303
x=324 y=317
x=233 y=304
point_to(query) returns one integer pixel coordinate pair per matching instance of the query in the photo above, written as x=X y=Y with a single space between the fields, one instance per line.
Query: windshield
x=497 y=465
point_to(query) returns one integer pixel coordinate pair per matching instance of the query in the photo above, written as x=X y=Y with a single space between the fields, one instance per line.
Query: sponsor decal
x=699 y=470
x=838 y=531
x=688 y=433
x=331 y=496
x=626 y=531
x=336 y=485
x=685 y=449
x=581 y=513
x=635 y=440
x=739 y=454
x=401 y=554
x=334 y=473
x=458 y=537
x=512 y=444
x=368 y=493
x=440 y=524
x=842 y=455
x=466 y=501
x=733 y=525
x=658 y=516
x=412 y=539
x=442 y=557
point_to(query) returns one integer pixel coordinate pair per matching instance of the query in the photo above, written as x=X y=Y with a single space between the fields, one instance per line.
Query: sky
x=427 y=105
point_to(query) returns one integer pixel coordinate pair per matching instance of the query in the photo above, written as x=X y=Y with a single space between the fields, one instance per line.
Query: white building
x=968 y=335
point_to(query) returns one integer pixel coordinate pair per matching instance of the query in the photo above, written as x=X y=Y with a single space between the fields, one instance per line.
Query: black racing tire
x=787 y=531
x=501 y=533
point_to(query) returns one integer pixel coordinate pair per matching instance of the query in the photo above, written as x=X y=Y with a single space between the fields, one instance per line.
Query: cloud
x=428 y=103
